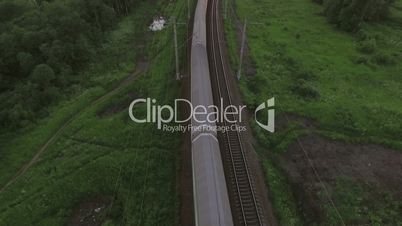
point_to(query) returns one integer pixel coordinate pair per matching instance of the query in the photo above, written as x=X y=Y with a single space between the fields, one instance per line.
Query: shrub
x=345 y=121
x=319 y=1
x=384 y=59
x=367 y=46
x=349 y=14
x=305 y=90
x=305 y=75
x=361 y=60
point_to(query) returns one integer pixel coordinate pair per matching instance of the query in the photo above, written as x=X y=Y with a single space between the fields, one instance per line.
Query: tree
x=43 y=75
x=26 y=61
x=44 y=42
x=10 y=10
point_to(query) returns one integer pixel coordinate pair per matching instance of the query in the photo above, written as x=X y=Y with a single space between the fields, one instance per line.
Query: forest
x=43 y=45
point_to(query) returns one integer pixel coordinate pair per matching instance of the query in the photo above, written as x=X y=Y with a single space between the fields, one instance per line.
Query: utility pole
x=176 y=49
x=243 y=42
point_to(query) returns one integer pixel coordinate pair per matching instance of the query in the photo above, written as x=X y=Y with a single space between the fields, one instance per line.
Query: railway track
x=244 y=203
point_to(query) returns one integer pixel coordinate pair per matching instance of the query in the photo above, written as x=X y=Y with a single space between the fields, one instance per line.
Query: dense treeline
x=349 y=14
x=43 y=44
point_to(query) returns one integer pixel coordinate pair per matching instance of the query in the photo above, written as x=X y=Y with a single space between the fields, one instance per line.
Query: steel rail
x=220 y=95
x=247 y=201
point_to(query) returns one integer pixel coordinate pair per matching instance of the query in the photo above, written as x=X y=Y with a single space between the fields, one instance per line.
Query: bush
x=345 y=121
x=305 y=90
x=349 y=14
x=305 y=75
x=384 y=59
x=319 y=1
x=367 y=46
x=361 y=60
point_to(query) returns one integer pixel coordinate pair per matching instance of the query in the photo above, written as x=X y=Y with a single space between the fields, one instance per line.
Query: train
x=211 y=199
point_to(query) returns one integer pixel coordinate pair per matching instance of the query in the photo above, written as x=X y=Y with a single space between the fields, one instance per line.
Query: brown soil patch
x=90 y=213
x=369 y=165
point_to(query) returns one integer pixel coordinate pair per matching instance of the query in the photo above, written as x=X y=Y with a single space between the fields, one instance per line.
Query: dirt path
x=141 y=67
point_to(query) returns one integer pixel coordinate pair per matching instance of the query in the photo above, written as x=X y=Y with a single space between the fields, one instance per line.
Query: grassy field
x=350 y=85
x=316 y=71
x=102 y=156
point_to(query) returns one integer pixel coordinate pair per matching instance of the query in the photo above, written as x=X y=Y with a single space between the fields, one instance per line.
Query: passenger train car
x=211 y=201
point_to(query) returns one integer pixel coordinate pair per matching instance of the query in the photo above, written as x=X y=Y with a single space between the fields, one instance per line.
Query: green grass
x=357 y=204
x=284 y=202
x=102 y=156
x=295 y=58
x=319 y=72
x=281 y=194
x=19 y=148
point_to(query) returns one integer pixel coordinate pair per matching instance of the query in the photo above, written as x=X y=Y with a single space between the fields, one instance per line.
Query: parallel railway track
x=245 y=206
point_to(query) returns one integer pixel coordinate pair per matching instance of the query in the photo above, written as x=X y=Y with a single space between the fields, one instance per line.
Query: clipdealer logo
x=270 y=126
x=163 y=115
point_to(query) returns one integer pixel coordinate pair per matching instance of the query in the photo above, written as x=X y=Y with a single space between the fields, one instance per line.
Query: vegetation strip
x=323 y=79
x=68 y=122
